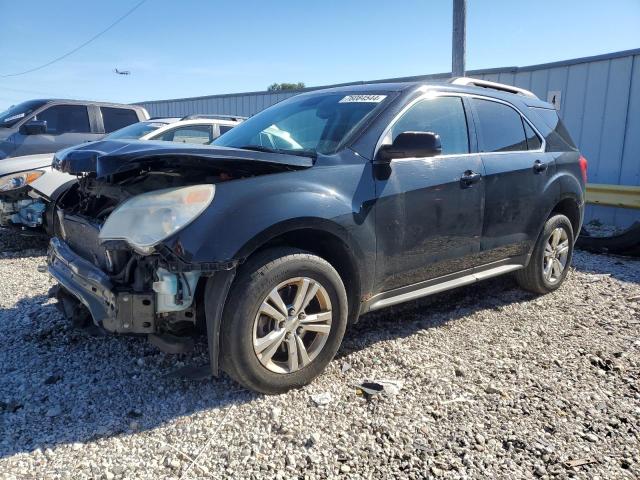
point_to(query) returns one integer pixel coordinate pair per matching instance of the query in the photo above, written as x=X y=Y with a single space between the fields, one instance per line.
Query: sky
x=177 y=49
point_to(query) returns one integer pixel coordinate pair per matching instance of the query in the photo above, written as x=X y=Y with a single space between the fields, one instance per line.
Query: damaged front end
x=19 y=207
x=22 y=213
x=108 y=253
x=117 y=250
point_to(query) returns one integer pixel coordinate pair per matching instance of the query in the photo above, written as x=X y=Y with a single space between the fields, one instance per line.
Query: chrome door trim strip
x=441 y=287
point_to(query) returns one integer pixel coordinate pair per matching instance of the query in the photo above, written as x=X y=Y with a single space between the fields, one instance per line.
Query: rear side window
x=224 y=129
x=500 y=126
x=117 y=118
x=442 y=115
x=198 y=134
x=66 y=119
x=559 y=137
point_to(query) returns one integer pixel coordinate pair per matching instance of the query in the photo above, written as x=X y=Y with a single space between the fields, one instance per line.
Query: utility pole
x=458 y=38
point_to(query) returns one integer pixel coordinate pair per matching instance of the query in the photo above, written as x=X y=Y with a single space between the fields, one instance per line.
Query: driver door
x=67 y=125
x=429 y=211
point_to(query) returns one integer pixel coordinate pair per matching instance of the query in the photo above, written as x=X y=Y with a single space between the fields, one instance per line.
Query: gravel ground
x=495 y=383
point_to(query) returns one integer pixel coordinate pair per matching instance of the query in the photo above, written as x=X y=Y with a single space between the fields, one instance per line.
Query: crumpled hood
x=27 y=162
x=107 y=157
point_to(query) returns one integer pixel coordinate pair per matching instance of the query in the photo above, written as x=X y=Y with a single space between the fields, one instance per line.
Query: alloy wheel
x=292 y=325
x=556 y=253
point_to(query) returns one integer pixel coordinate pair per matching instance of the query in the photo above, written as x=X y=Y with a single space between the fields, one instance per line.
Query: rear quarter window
x=117 y=118
x=558 y=139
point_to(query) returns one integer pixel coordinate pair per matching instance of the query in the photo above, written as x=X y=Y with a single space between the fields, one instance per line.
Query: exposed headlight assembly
x=145 y=220
x=18 y=180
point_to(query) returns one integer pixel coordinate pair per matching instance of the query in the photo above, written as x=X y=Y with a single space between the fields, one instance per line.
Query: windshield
x=14 y=114
x=316 y=123
x=135 y=131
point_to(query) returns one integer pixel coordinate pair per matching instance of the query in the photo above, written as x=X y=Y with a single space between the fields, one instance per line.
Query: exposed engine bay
x=111 y=250
x=24 y=212
x=152 y=293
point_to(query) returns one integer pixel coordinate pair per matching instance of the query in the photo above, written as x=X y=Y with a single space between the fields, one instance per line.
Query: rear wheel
x=551 y=257
x=284 y=320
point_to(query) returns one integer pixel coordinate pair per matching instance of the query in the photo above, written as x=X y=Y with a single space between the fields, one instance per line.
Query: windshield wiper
x=301 y=153
x=260 y=148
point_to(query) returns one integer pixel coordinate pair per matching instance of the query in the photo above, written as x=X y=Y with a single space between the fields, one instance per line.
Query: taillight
x=583 y=168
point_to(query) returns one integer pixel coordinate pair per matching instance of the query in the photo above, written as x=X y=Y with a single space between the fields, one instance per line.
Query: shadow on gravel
x=431 y=312
x=59 y=385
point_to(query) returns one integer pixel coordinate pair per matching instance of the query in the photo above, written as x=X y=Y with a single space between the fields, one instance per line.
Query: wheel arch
x=323 y=238
x=570 y=208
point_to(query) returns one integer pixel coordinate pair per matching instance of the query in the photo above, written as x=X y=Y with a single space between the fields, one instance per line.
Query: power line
x=138 y=5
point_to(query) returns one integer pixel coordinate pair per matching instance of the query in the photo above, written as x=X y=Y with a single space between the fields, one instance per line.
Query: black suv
x=46 y=126
x=323 y=207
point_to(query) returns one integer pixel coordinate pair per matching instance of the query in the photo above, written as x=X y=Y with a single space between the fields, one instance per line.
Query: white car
x=28 y=184
x=196 y=129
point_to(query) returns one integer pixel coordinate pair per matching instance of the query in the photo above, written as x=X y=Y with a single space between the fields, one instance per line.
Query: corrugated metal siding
x=233 y=104
x=600 y=106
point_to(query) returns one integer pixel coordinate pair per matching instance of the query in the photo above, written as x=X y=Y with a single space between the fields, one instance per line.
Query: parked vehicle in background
x=28 y=185
x=384 y=193
x=46 y=126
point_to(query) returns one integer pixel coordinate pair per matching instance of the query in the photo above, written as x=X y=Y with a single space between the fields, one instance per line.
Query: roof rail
x=196 y=116
x=476 y=82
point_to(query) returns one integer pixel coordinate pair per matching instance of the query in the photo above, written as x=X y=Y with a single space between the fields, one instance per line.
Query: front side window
x=66 y=119
x=198 y=134
x=441 y=115
x=117 y=118
x=500 y=127
x=305 y=124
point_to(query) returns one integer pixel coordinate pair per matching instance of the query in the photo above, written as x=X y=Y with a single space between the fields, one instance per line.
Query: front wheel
x=284 y=320
x=551 y=257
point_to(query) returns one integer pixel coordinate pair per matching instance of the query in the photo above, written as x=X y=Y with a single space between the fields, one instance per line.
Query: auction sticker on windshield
x=363 y=98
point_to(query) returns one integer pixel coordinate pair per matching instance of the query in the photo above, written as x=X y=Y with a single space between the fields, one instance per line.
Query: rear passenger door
x=67 y=125
x=517 y=171
x=429 y=210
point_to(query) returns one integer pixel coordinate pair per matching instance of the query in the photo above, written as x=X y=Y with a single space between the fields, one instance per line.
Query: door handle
x=469 y=177
x=539 y=167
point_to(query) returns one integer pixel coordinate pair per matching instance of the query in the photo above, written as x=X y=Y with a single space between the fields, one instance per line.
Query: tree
x=277 y=87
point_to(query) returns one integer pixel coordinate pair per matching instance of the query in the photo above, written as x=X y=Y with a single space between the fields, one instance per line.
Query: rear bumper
x=120 y=312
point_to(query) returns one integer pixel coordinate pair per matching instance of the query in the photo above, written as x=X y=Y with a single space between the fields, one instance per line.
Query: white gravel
x=494 y=382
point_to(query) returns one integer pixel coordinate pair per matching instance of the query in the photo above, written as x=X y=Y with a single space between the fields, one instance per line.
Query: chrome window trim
x=429 y=93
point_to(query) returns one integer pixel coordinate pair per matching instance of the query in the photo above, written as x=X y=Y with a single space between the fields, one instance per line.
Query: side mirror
x=34 y=127
x=411 y=145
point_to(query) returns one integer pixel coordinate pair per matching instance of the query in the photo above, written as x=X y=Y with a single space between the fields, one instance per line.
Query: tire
x=246 y=328
x=534 y=277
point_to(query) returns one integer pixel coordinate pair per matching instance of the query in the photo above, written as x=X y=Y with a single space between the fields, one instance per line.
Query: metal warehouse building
x=598 y=99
